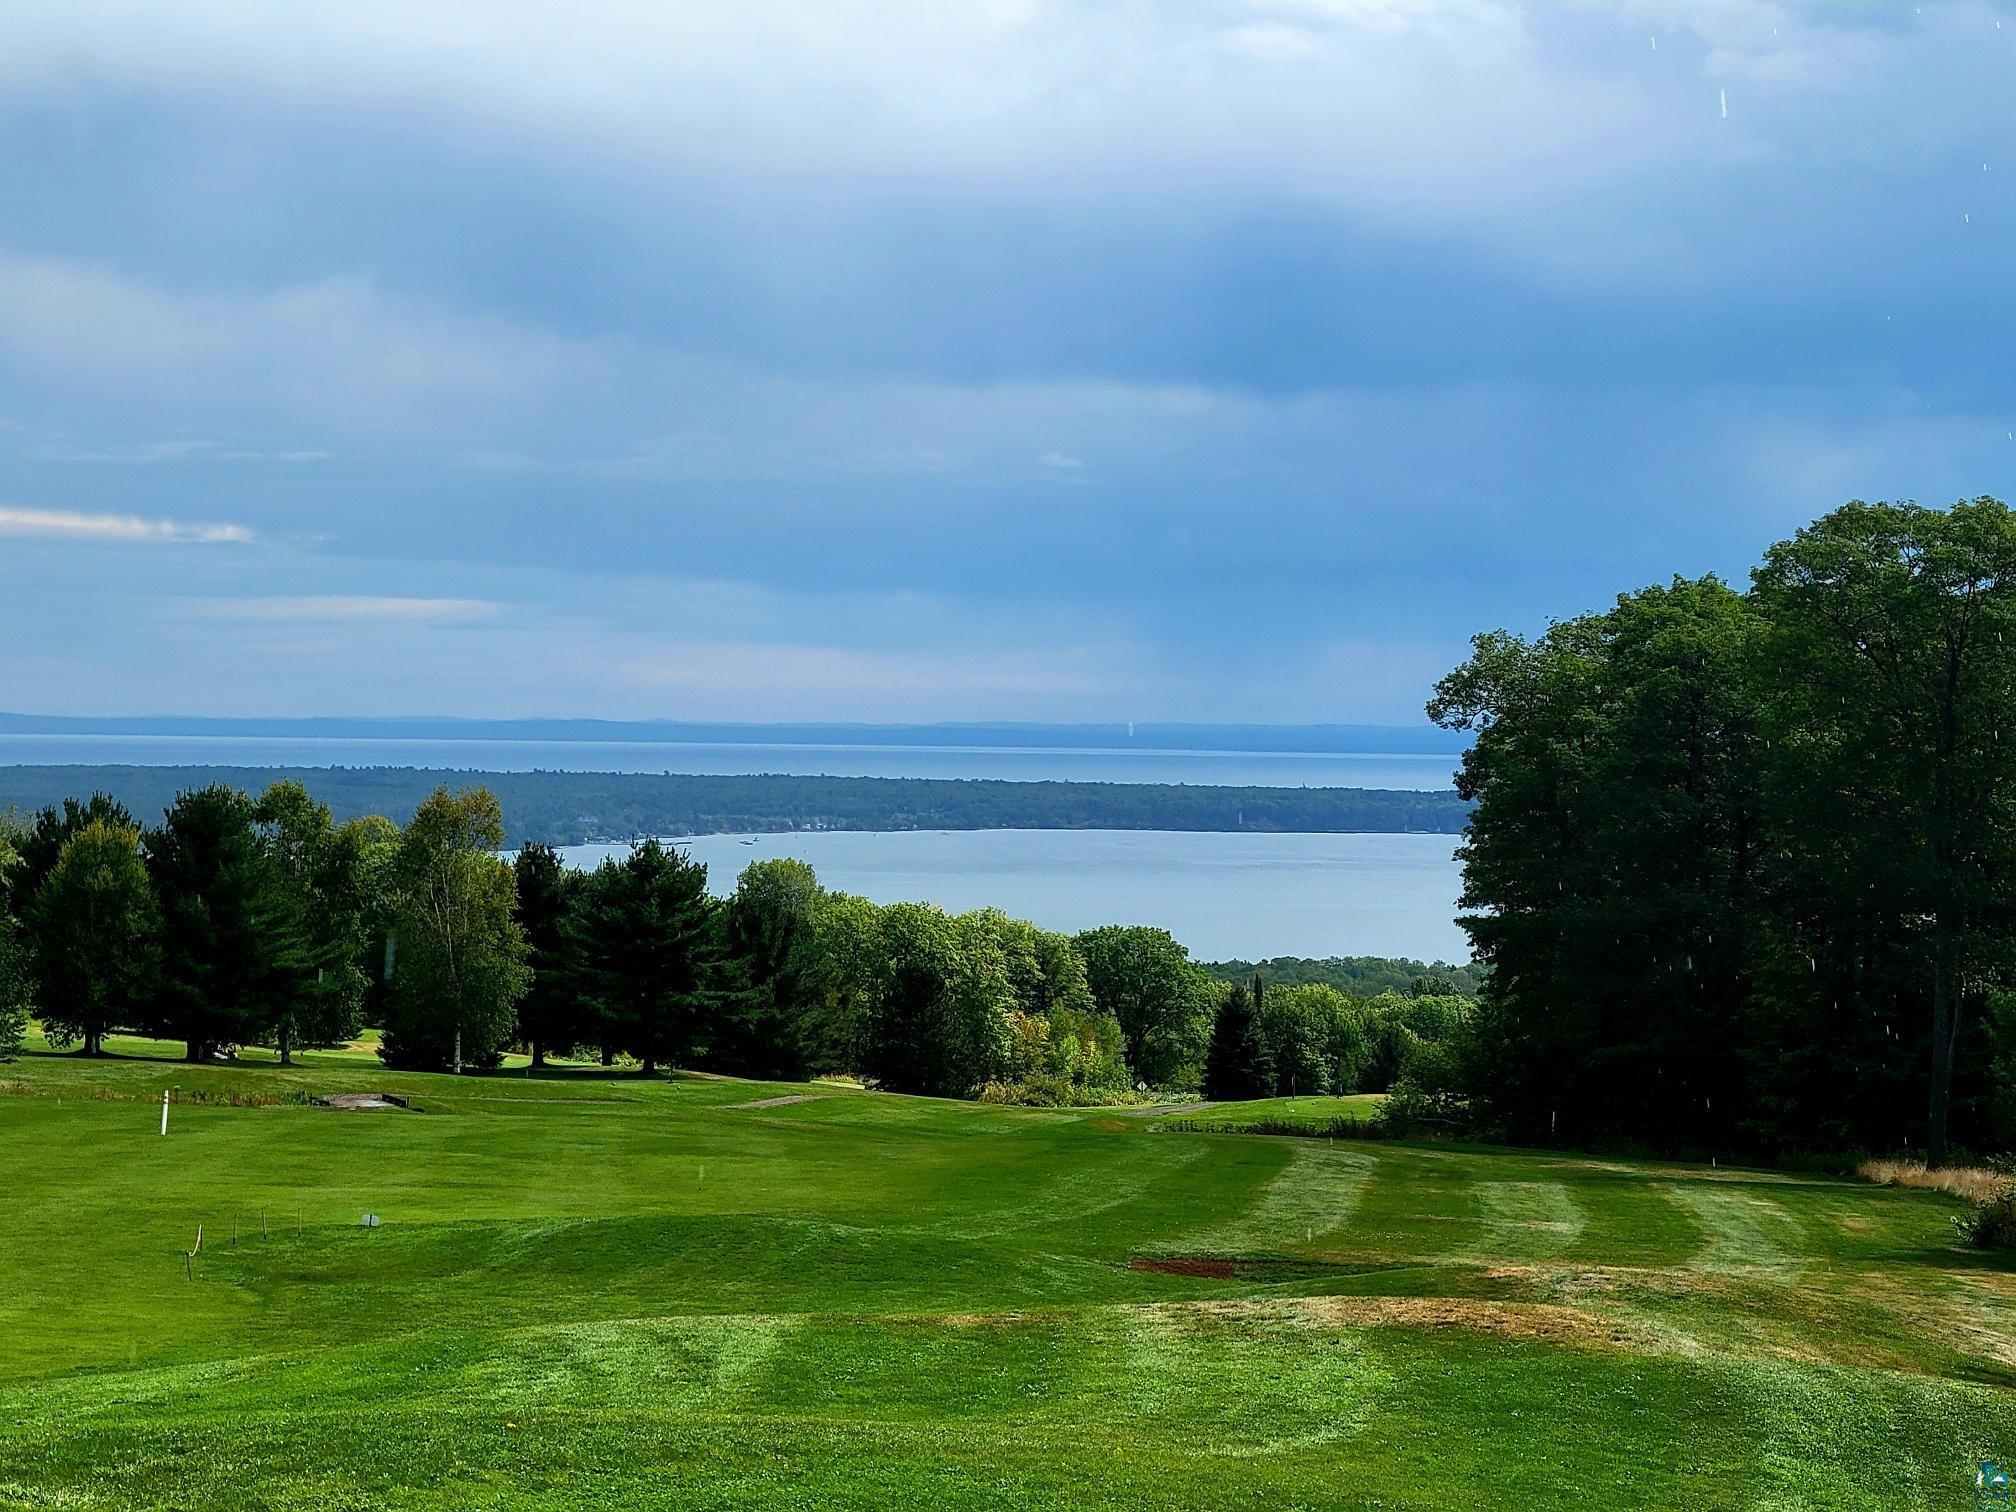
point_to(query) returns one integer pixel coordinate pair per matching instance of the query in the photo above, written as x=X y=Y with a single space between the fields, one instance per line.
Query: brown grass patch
x=1974 y=1183
x=1544 y=1321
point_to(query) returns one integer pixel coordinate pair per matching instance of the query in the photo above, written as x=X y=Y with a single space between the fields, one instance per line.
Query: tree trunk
x=538 y=1056
x=1945 y=1036
x=650 y=1065
x=194 y=1053
x=286 y=1047
x=608 y=1055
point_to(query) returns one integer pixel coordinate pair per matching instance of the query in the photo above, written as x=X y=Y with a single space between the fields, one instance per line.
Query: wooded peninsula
x=568 y=808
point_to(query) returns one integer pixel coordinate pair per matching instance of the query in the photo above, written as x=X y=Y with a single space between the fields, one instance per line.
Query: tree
x=1297 y=1037
x=16 y=993
x=1162 y=1001
x=1891 y=632
x=459 y=954
x=1612 y=863
x=846 y=974
x=39 y=848
x=1238 y=1065
x=769 y=925
x=234 y=949
x=13 y=833
x=551 y=1014
x=643 y=944
x=94 y=927
x=940 y=1025
x=329 y=896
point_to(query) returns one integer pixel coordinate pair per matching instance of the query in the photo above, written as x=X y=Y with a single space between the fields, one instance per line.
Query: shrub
x=1992 y=1224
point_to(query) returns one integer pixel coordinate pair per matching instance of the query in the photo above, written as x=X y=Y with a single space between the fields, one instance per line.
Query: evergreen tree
x=319 y=877
x=1238 y=1065
x=234 y=953
x=769 y=1026
x=16 y=991
x=552 y=1018
x=644 y=945
x=95 y=929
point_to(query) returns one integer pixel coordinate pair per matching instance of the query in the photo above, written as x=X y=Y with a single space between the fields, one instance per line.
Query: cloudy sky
x=891 y=359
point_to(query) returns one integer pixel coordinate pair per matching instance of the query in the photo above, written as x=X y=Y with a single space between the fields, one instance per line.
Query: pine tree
x=1238 y=1065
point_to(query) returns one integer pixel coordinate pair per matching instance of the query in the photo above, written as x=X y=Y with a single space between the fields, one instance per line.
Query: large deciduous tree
x=940 y=1023
x=458 y=954
x=1611 y=862
x=1163 y=1001
x=1891 y=662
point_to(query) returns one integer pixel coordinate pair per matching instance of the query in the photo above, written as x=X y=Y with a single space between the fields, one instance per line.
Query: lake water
x=1205 y=768
x=1223 y=895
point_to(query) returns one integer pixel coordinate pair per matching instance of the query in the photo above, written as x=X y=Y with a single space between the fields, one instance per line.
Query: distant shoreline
x=569 y=808
x=1139 y=736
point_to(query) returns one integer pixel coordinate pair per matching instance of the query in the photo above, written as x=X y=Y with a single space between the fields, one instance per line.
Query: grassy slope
x=594 y=1291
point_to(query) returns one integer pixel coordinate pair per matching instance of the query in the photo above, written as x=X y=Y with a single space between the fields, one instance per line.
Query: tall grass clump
x=1974 y=1183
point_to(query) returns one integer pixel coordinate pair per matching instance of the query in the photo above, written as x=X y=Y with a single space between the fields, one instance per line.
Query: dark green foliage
x=41 y=845
x=233 y=941
x=564 y=808
x=769 y=1026
x=1238 y=1064
x=1357 y=976
x=553 y=1015
x=96 y=938
x=1295 y=1029
x=644 y=951
x=333 y=884
x=16 y=991
x=1163 y=1003
x=460 y=956
x=1992 y=1224
x=1744 y=866
x=941 y=1022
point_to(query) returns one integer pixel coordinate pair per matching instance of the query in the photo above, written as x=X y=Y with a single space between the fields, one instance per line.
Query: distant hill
x=568 y=807
x=1361 y=976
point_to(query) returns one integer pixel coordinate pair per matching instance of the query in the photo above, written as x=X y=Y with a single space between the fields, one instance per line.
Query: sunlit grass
x=595 y=1289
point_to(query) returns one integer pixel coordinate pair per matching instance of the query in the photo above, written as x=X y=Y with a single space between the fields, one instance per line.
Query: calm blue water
x=1205 y=768
x=1223 y=895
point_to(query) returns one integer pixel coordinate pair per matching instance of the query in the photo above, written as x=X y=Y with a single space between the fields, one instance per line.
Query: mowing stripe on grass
x=1747 y=1233
x=1523 y=1220
x=1313 y=1195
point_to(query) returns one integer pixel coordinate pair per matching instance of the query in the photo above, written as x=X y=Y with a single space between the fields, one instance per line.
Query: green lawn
x=1314 y=1111
x=599 y=1291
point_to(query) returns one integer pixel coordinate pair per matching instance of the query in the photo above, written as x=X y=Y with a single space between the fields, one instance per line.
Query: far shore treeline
x=261 y=920
x=567 y=808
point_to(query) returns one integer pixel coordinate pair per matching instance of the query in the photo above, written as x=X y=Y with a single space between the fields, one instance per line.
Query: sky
x=1014 y=359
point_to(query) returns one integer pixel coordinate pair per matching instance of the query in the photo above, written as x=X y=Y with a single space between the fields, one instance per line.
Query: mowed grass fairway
x=599 y=1291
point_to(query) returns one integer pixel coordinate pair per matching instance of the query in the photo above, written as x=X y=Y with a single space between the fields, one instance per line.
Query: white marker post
x=164 y=1115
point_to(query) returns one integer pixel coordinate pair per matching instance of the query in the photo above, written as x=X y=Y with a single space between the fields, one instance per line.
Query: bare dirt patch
x=1184 y=1265
x=363 y=1102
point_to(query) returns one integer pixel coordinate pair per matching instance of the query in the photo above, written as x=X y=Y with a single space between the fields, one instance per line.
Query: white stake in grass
x=164 y=1115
